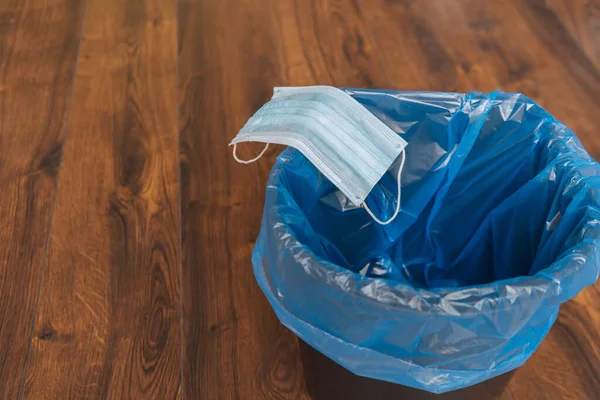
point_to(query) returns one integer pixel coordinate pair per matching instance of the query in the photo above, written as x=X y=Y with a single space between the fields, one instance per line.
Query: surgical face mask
x=340 y=137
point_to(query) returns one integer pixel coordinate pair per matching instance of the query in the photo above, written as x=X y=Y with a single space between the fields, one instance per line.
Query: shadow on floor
x=327 y=380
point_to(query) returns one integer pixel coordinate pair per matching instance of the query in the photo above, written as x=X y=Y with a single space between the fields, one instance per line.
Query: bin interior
x=485 y=189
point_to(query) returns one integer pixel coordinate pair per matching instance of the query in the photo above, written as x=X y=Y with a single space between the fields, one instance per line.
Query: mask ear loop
x=251 y=160
x=397 y=211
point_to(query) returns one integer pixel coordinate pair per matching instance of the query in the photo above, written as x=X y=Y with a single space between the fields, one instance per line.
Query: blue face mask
x=340 y=137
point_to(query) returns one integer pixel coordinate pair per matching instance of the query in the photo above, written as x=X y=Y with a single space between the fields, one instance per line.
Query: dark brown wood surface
x=126 y=228
x=38 y=50
x=108 y=321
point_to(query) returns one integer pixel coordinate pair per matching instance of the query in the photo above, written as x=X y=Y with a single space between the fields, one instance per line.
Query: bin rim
x=464 y=301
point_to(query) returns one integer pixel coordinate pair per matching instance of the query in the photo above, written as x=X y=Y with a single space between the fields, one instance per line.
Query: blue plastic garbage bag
x=500 y=224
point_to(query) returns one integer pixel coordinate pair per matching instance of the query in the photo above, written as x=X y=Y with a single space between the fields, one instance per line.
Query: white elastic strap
x=248 y=161
x=398 y=201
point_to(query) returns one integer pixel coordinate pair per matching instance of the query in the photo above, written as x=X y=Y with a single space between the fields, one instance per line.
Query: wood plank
x=554 y=34
x=38 y=50
x=326 y=43
x=234 y=346
x=581 y=20
x=108 y=324
x=440 y=56
x=415 y=55
x=525 y=62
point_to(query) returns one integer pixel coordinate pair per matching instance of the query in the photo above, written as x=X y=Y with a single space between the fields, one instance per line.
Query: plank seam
x=179 y=204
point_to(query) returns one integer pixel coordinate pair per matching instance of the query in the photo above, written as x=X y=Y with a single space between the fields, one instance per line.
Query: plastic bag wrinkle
x=500 y=224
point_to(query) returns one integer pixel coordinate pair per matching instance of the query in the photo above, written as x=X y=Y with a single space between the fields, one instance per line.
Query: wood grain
x=234 y=347
x=325 y=42
x=523 y=61
x=38 y=48
x=108 y=324
x=131 y=301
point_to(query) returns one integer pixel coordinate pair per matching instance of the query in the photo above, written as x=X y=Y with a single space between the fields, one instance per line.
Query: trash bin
x=499 y=225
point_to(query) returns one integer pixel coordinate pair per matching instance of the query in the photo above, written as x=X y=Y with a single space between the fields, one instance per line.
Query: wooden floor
x=126 y=228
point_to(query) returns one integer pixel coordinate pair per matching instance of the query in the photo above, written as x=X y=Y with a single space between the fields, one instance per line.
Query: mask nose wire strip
x=398 y=201
x=251 y=160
